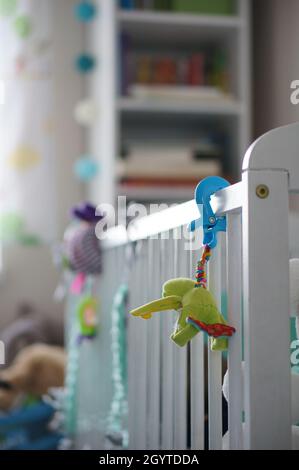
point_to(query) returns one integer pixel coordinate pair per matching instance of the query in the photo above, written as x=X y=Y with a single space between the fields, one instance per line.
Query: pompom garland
x=85 y=11
x=85 y=63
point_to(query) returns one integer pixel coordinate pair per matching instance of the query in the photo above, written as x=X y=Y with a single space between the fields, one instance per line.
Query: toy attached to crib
x=197 y=306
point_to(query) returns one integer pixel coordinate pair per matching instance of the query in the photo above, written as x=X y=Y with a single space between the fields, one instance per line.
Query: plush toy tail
x=172 y=302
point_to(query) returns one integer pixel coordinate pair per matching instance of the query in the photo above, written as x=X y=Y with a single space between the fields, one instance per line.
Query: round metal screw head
x=212 y=220
x=262 y=191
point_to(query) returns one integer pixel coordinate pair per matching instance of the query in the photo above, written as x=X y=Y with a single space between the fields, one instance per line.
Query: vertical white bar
x=180 y=362
x=215 y=357
x=167 y=357
x=140 y=360
x=266 y=311
x=153 y=350
x=103 y=134
x=234 y=294
x=197 y=381
x=197 y=393
x=132 y=357
x=197 y=378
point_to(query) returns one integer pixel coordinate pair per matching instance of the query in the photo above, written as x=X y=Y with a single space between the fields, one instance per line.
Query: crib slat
x=215 y=357
x=197 y=380
x=180 y=364
x=139 y=362
x=234 y=283
x=167 y=422
x=153 y=350
x=197 y=392
x=132 y=354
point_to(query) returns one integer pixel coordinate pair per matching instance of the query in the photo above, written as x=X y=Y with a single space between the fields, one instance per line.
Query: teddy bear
x=35 y=370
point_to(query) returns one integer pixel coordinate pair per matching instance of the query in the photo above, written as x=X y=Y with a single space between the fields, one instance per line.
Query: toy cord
x=201 y=276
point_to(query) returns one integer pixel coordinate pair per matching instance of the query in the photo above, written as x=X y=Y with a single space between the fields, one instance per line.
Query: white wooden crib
x=173 y=403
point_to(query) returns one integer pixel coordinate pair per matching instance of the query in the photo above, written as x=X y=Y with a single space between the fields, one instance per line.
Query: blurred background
x=143 y=99
x=138 y=98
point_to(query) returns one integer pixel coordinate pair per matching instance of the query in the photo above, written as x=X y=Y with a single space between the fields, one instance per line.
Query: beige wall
x=29 y=276
x=275 y=62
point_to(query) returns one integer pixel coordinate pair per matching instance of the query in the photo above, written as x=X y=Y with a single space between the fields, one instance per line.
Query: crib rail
x=175 y=397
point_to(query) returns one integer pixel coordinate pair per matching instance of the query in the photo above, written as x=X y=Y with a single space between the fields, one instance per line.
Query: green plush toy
x=197 y=307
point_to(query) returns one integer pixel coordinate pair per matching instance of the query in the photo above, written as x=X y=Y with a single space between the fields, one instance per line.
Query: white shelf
x=142 y=117
x=224 y=107
x=178 y=19
x=146 y=25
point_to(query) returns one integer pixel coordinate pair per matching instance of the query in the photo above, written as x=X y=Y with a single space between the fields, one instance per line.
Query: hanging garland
x=85 y=113
x=85 y=11
x=85 y=168
x=117 y=430
x=81 y=255
x=85 y=63
x=71 y=383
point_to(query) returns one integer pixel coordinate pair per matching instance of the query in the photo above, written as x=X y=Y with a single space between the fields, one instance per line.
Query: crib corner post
x=266 y=310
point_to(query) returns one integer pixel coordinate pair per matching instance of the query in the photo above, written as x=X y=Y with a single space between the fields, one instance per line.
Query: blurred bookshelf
x=178 y=107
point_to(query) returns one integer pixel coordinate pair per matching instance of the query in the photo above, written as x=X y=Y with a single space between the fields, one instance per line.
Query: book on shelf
x=178 y=93
x=171 y=174
x=209 y=7
x=176 y=163
x=127 y=4
x=209 y=146
x=208 y=68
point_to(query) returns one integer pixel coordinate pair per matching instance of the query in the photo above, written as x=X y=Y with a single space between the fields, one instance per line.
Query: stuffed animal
x=198 y=311
x=197 y=306
x=81 y=245
x=35 y=369
x=29 y=327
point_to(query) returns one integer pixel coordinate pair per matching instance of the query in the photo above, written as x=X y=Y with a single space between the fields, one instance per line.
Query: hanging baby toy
x=83 y=255
x=87 y=311
x=197 y=307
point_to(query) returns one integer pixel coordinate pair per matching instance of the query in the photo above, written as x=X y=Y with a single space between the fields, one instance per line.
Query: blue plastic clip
x=209 y=221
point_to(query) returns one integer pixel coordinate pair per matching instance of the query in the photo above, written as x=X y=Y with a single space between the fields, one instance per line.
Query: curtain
x=27 y=150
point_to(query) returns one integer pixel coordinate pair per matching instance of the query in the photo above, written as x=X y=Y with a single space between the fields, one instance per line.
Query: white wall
x=69 y=88
x=29 y=272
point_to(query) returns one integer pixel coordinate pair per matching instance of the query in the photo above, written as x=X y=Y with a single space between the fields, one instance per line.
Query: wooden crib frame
x=167 y=383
